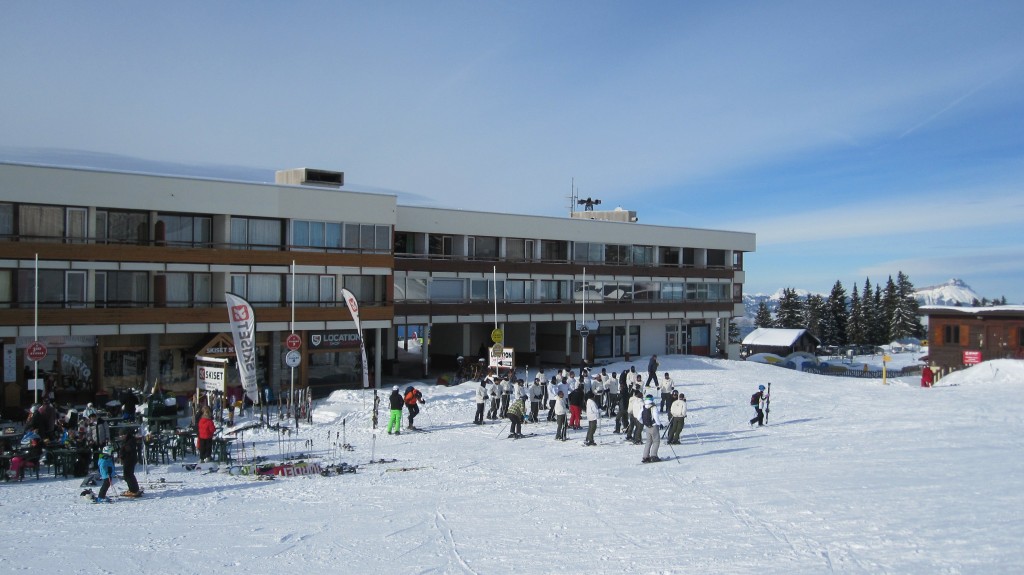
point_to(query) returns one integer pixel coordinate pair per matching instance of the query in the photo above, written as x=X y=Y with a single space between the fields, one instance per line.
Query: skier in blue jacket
x=106 y=467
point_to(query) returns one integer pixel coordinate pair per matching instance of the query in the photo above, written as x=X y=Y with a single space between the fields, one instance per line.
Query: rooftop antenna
x=588 y=204
x=573 y=196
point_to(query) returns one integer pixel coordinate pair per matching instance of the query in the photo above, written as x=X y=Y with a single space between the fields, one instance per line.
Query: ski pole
x=500 y=430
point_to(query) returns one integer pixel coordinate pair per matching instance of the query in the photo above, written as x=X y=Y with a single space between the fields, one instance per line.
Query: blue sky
x=856 y=139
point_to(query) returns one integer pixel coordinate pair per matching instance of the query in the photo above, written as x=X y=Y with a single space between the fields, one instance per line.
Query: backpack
x=755 y=399
x=646 y=417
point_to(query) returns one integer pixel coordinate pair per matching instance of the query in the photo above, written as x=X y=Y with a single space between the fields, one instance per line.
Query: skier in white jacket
x=678 y=412
x=593 y=413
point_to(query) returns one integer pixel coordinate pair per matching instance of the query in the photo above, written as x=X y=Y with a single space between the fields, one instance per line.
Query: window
x=716 y=258
x=367 y=237
x=447 y=290
x=951 y=334
x=673 y=291
x=439 y=245
x=584 y=252
x=185 y=290
x=519 y=291
x=122 y=289
x=6 y=220
x=405 y=243
x=646 y=291
x=643 y=255
x=668 y=256
x=193 y=231
x=256 y=234
x=122 y=227
x=483 y=290
x=689 y=257
x=554 y=251
x=483 y=247
x=311 y=289
x=36 y=222
x=51 y=287
x=6 y=288
x=518 y=249
x=737 y=260
x=76 y=226
x=365 y=289
x=258 y=289
x=616 y=254
x=696 y=291
x=553 y=291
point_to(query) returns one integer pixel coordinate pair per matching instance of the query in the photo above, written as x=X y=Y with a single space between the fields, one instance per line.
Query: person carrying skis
x=106 y=469
x=678 y=412
x=758 y=402
x=515 y=414
x=481 y=401
x=593 y=413
x=652 y=429
x=395 y=421
x=413 y=398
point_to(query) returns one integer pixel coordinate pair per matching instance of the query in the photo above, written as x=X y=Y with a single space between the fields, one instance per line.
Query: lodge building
x=122 y=277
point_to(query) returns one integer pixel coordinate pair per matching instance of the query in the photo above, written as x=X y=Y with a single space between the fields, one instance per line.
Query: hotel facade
x=122 y=276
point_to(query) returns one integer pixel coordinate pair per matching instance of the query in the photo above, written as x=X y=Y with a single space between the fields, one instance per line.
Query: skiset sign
x=210 y=378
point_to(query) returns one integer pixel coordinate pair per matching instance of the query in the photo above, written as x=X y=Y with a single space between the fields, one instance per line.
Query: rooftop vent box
x=310 y=177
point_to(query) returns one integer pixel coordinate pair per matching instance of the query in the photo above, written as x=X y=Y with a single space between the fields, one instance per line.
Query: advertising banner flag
x=353 y=308
x=243 y=329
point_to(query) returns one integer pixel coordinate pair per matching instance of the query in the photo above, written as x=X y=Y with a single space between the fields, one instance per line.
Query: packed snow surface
x=849 y=476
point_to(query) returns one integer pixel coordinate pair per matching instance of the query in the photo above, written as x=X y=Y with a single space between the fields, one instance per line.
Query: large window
x=483 y=290
x=553 y=291
x=519 y=291
x=405 y=243
x=122 y=227
x=438 y=245
x=37 y=222
x=668 y=256
x=6 y=220
x=310 y=234
x=518 y=249
x=122 y=289
x=258 y=289
x=255 y=234
x=51 y=287
x=716 y=258
x=616 y=254
x=483 y=247
x=367 y=237
x=643 y=255
x=185 y=289
x=584 y=252
x=312 y=289
x=445 y=290
x=195 y=231
x=554 y=250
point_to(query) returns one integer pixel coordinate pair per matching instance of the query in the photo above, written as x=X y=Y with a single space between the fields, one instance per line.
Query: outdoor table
x=221 y=449
x=63 y=460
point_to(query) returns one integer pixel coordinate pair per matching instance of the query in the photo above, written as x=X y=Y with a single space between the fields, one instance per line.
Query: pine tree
x=906 y=321
x=790 y=312
x=855 y=322
x=879 y=332
x=763 y=318
x=833 y=329
x=814 y=313
x=734 y=332
x=890 y=300
x=868 y=313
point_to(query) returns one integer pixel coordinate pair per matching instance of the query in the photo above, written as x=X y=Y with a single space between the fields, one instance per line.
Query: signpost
x=972 y=357
x=292 y=358
x=293 y=342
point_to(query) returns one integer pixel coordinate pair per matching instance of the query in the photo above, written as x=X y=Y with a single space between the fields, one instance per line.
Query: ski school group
x=625 y=397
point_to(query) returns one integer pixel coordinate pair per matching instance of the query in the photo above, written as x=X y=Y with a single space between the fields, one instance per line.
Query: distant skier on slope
x=652 y=429
x=397 y=401
x=757 y=401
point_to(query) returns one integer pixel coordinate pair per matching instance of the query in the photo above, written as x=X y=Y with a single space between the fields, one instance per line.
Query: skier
x=593 y=413
x=397 y=401
x=536 y=393
x=622 y=421
x=636 y=405
x=652 y=371
x=106 y=468
x=649 y=419
x=612 y=389
x=494 y=392
x=413 y=398
x=577 y=400
x=515 y=415
x=560 y=409
x=204 y=433
x=129 y=456
x=552 y=388
x=678 y=412
x=927 y=376
x=666 y=395
x=481 y=400
x=506 y=395
x=758 y=402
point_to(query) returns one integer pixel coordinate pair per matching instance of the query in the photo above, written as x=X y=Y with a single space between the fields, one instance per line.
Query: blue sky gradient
x=855 y=139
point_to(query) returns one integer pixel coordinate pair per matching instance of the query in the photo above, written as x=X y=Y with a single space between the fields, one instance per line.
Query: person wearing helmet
x=758 y=401
x=652 y=430
x=678 y=412
x=666 y=394
x=395 y=422
x=413 y=398
x=481 y=402
x=636 y=405
x=106 y=469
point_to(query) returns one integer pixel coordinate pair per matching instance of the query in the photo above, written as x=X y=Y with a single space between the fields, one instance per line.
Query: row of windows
x=69 y=288
x=110 y=226
x=454 y=290
x=521 y=249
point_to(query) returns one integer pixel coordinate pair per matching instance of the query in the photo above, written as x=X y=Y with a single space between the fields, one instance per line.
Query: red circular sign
x=293 y=341
x=35 y=351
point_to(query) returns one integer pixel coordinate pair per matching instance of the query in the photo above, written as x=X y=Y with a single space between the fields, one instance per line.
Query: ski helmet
x=760 y=388
x=108 y=450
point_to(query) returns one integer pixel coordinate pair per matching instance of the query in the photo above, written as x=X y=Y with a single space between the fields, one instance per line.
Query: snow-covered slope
x=849 y=476
x=953 y=292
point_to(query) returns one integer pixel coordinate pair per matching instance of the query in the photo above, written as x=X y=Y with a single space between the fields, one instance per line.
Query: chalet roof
x=991 y=311
x=775 y=337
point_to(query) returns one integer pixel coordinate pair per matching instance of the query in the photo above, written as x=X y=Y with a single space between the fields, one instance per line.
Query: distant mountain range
x=953 y=292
